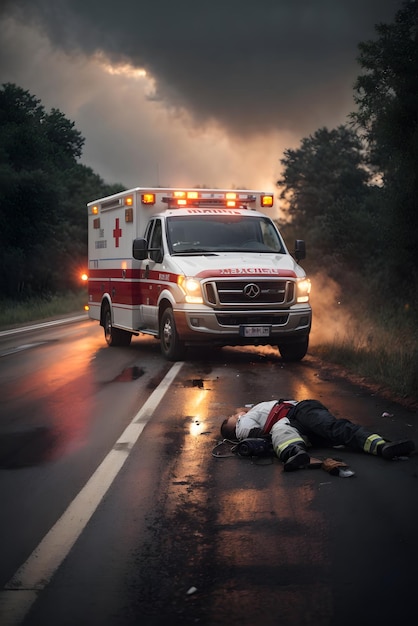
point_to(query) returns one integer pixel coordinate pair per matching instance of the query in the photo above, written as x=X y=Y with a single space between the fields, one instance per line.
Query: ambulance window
x=270 y=238
x=156 y=246
x=148 y=232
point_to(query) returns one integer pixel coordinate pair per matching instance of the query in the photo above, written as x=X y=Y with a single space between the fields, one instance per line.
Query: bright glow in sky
x=131 y=137
x=124 y=70
x=175 y=105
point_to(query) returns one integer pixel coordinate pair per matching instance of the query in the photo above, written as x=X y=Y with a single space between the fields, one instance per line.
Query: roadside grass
x=383 y=351
x=37 y=309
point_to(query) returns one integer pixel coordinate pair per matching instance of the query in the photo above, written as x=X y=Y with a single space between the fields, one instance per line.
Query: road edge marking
x=25 y=329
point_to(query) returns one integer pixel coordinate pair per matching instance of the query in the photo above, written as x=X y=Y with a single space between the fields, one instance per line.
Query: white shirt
x=256 y=417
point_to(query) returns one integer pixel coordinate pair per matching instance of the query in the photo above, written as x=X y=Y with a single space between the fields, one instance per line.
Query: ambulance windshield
x=212 y=234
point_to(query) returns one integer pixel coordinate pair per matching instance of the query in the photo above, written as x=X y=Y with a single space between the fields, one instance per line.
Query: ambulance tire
x=294 y=351
x=171 y=347
x=115 y=337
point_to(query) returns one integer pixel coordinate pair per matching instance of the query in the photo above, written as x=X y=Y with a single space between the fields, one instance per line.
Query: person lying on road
x=295 y=426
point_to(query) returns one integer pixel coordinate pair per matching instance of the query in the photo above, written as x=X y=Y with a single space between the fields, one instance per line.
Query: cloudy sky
x=189 y=92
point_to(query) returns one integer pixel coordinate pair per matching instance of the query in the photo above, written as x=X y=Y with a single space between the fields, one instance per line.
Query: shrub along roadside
x=395 y=371
x=36 y=309
x=384 y=352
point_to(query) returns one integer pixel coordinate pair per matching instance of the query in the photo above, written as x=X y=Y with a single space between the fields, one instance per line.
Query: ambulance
x=195 y=267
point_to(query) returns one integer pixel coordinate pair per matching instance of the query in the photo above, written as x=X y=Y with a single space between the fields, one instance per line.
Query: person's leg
x=289 y=446
x=312 y=419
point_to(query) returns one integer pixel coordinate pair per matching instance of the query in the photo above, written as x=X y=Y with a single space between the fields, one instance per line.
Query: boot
x=392 y=449
x=294 y=457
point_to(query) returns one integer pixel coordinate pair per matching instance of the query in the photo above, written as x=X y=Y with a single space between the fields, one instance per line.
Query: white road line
x=23 y=329
x=26 y=346
x=34 y=575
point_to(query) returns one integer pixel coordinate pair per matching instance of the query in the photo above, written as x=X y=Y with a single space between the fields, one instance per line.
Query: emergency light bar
x=203 y=198
x=192 y=198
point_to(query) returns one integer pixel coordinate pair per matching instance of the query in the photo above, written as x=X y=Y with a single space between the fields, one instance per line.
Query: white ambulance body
x=195 y=266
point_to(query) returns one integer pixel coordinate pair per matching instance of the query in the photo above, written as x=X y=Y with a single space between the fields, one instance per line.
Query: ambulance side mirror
x=140 y=249
x=300 y=250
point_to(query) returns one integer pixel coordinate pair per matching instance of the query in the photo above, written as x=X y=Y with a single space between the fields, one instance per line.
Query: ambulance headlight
x=191 y=289
x=303 y=289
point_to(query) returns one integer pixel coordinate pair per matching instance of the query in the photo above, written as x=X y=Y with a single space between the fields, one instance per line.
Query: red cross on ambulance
x=117 y=232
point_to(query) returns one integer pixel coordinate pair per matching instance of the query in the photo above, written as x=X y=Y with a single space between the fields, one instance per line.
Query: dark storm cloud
x=250 y=65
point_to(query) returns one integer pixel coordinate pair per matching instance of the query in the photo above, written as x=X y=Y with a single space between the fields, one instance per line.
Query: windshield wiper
x=195 y=251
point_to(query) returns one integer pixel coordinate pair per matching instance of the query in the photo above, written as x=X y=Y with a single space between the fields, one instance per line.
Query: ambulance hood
x=238 y=264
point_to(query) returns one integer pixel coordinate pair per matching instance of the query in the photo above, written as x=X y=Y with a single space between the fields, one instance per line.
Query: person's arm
x=252 y=422
x=256 y=432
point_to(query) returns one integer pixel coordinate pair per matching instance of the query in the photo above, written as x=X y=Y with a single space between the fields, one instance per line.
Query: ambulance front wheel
x=114 y=336
x=171 y=347
x=294 y=351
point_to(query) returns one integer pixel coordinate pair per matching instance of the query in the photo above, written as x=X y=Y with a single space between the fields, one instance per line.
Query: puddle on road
x=194 y=382
x=25 y=449
x=131 y=373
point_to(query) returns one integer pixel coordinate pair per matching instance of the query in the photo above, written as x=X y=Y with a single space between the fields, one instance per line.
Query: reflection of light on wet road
x=197 y=424
x=196 y=427
x=277 y=514
x=302 y=391
x=49 y=398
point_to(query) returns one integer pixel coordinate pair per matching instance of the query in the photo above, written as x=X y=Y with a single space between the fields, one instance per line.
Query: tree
x=325 y=187
x=30 y=138
x=82 y=186
x=43 y=196
x=387 y=97
x=64 y=142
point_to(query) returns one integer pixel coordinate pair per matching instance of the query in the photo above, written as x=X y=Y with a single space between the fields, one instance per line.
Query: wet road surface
x=184 y=536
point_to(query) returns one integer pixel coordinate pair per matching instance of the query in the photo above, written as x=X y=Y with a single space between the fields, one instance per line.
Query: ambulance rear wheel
x=115 y=337
x=171 y=347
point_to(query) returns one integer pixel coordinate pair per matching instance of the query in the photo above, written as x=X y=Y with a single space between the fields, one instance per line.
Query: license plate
x=255 y=331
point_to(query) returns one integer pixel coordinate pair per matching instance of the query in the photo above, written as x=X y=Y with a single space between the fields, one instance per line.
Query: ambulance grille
x=227 y=319
x=249 y=292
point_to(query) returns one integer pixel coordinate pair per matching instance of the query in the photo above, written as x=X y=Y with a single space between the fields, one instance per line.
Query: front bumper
x=228 y=327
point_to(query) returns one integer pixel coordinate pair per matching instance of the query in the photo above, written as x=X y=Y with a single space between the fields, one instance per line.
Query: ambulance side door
x=152 y=270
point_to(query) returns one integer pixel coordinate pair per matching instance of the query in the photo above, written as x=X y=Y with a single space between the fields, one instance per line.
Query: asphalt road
x=115 y=511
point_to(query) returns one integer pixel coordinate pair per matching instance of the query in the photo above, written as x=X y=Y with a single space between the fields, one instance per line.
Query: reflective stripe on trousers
x=296 y=441
x=371 y=443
